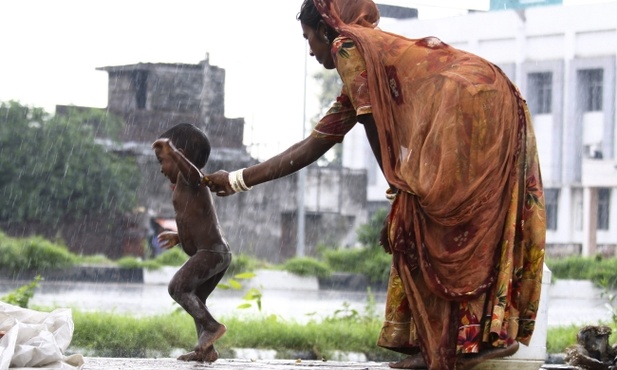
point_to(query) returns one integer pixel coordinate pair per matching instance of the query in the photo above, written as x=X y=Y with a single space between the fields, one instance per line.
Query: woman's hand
x=168 y=239
x=218 y=183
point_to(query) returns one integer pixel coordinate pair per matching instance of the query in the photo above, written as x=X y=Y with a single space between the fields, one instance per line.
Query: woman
x=454 y=140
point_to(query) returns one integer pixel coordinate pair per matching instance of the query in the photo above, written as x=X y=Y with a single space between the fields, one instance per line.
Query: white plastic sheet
x=36 y=340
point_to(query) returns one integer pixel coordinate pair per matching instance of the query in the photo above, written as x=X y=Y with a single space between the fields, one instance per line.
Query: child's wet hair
x=193 y=142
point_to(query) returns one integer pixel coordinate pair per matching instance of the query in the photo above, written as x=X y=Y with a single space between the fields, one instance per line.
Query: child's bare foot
x=412 y=362
x=207 y=339
x=468 y=362
x=191 y=356
x=210 y=355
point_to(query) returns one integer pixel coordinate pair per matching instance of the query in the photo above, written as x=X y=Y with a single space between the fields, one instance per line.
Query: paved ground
x=172 y=364
x=222 y=364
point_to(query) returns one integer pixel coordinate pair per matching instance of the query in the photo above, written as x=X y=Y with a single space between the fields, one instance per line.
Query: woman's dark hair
x=309 y=14
x=193 y=142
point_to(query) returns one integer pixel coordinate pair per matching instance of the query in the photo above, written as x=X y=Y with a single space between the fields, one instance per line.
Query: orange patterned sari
x=467 y=228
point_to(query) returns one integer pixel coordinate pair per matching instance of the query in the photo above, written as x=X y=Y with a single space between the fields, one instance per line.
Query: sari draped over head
x=467 y=228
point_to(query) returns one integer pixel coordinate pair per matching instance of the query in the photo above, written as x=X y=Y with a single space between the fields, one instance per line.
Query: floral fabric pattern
x=468 y=226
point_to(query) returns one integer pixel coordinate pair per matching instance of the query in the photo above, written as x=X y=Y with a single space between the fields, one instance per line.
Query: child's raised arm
x=191 y=173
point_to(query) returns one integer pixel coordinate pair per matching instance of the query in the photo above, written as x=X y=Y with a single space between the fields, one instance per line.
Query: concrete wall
x=262 y=222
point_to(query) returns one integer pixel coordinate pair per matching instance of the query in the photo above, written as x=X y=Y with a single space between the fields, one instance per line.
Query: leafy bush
x=369 y=260
x=33 y=253
x=96 y=259
x=241 y=263
x=307 y=266
x=374 y=263
x=22 y=295
x=605 y=273
x=601 y=271
x=172 y=257
x=129 y=262
x=572 y=267
x=369 y=234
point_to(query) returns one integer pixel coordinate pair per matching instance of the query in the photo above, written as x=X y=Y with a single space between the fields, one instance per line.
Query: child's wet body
x=201 y=238
x=210 y=257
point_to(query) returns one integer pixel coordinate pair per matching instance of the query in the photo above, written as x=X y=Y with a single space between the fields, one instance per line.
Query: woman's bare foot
x=207 y=339
x=412 y=362
x=467 y=362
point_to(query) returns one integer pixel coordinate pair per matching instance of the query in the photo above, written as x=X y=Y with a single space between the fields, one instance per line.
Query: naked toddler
x=181 y=152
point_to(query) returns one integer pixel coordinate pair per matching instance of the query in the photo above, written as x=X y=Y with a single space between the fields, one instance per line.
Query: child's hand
x=218 y=183
x=168 y=239
x=164 y=145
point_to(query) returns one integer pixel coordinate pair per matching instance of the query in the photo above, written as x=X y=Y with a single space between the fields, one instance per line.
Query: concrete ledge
x=509 y=364
x=273 y=279
x=90 y=274
x=349 y=282
x=281 y=280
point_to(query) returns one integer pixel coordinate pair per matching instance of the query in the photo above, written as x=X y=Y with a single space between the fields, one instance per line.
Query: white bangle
x=241 y=180
x=236 y=180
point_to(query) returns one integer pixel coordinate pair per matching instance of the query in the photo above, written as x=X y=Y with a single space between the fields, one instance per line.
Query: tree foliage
x=370 y=260
x=369 y=234
x=331 y=85
x=52 y=170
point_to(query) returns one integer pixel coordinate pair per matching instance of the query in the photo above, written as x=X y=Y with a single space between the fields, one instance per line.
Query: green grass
x=115 y=335
x=559 y=338
x=121 y=335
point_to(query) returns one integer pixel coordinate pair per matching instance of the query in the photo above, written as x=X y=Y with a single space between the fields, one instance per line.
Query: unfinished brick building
x=152 y=97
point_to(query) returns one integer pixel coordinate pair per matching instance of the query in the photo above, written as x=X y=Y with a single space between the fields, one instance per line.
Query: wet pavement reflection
x=571 y=302
x=150 y=299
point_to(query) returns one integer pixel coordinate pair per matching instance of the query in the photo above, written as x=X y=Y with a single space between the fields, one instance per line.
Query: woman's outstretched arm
x=289 y=161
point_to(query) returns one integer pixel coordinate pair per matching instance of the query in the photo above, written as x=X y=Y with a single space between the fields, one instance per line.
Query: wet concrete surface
x=571 y=302
x=100 y=363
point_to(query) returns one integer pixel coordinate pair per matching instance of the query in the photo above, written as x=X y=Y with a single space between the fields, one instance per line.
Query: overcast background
x=51 y=49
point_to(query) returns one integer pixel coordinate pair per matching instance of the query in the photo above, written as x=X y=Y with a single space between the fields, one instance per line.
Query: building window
x=604 y=201
x=140 y=79
x=540 y=92
x=551 y=204
x=591 y=88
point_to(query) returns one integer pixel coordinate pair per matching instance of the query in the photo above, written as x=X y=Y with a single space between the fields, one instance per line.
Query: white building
x=563 y=60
